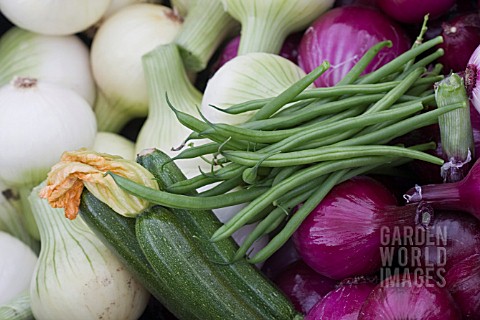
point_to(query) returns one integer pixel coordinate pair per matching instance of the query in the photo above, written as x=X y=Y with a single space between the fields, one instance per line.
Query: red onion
x=342 y=35
x=463 y=282
x=409 y=297
x=289 y=50
x=461 y=37
x=452 y=237
x=460 y=196
x=303 y=286
x=413 y=11
x=343 y=303
x=343 y=235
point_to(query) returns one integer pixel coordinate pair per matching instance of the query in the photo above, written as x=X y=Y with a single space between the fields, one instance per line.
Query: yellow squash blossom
x=86 y=168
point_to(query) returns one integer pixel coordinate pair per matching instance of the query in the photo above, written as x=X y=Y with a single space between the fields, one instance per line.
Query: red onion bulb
x=343 y=303
x=303 y=286
x=463 y=282
x=407 y=297
x=452 y=237
x=342 y=236
x=413 y=11
x=461 y=36
x=342 y=35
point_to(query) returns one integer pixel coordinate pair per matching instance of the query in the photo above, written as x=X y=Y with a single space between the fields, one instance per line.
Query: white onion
x=54 y=17
x=116 y=57
x=63 y=60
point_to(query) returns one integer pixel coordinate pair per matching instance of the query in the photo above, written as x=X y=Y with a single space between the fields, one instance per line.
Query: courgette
x=257 y=291
x=175 y=254
x=226 y=290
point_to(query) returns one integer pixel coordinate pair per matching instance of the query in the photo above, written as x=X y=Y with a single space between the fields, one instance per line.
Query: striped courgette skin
x=255 y=291
x=174 y=254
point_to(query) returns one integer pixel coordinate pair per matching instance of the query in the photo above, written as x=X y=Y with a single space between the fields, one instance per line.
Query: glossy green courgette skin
x=255 y=290
x=174 y=253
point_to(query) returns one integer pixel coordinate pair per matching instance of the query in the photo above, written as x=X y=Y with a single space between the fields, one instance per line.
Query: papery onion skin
x=463 y=282
x=38 y=124
x=342 y=35
x=54 y=17
x=303 y=286
x=408 y=297
x=63 y=60
x=413 y=11
x=342 y=236
x=343 y=303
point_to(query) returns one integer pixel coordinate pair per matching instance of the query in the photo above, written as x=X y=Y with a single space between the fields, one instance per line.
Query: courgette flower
x=86 y=168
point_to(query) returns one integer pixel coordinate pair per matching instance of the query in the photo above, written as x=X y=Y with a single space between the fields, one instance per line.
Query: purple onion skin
x=461 y=37
x=343 y=303
x=463 y=282
x=413 y=11
x=303 y=286
x=406 y=297
x=452 y=237
x=342 y=35
x=341 y=237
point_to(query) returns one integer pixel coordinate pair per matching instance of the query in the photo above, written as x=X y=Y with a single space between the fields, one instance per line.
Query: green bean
x=327 y=153
x=393 y=95
x=284 y=173
x=316 y=130
x=417 y=90
x=224 y=173
x=296 y=219
x=197 y=151
x=363 y=63
x=223 y=187
x=286 y=185
x=307 y=207
x=286 y=96
x=400 y=128
x=339 y=129
x=180 y=201
x=312 y=95
x=423 y=62
x=399 y=62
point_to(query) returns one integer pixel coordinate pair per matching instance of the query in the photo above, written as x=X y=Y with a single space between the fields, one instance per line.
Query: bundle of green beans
x=303 y=142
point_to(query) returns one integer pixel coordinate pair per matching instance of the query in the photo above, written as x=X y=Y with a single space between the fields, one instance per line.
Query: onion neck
x=30 y=222
x=110 y=118
x=443 y=196
x=165 y=75
x=12 y=219
x=203 y=30
x=261 y=34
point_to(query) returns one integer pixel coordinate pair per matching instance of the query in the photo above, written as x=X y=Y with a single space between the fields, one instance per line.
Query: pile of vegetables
x=234 y=159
